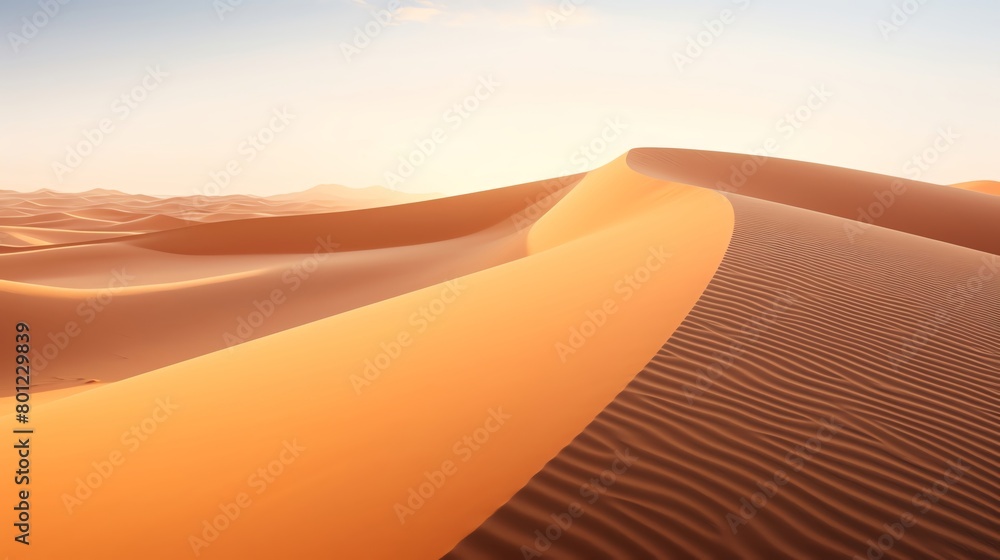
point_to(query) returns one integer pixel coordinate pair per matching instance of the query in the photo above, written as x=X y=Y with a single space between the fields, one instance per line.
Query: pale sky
x=263 y=97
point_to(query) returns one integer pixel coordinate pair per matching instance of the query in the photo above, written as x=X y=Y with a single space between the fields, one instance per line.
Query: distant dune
x=368 y=197
x=681 y=354
x=985 y=187
x=956 y=216
x=86 y=216
x=200 y=281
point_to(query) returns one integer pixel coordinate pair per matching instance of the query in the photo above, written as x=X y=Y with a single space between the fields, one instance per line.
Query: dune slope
x=447 y=391
x=817 y=392
x=957 y=216
x=103 y=309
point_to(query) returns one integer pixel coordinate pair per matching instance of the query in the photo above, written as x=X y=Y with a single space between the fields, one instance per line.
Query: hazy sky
x=261 y=96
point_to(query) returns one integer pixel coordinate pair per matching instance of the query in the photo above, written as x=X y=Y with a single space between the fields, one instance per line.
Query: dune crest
x=956 y=216
x=68 y=218
x=985 y=187
x=478 y=373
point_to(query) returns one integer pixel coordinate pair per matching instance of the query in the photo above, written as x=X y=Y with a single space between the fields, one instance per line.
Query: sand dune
x=957 y=216
x=94 y=298
x=46 y=236
x=80 y=217
x=57 y=220
x=477 y=363
x=645 y=361
x=799 y=329
x=370 y=197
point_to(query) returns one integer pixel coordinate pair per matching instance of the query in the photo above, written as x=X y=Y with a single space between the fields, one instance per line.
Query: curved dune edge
x=491 y=349
x=985 y=187
x=45 y=236
x=267 y=228
x=108 y=209
x=102 y=310
x=956 y=216
x=807 y=356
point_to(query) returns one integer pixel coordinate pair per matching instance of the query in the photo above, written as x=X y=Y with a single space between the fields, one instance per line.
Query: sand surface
x=831 y=383
x=474 y=356
x=104 y=308
x=681 y=364
x=957 y=216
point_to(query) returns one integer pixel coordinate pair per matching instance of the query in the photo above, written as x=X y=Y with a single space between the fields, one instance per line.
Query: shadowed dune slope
x=102 y=310
x=367 y=228
x=894 y=340
x=957 y=216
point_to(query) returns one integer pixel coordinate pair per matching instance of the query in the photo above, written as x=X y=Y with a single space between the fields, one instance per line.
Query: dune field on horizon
x=678 y=354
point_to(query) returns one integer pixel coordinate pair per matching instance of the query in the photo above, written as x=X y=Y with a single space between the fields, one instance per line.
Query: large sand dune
x=489 y=368
x=799 y=330
x=645 y=361
x=958 y=216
